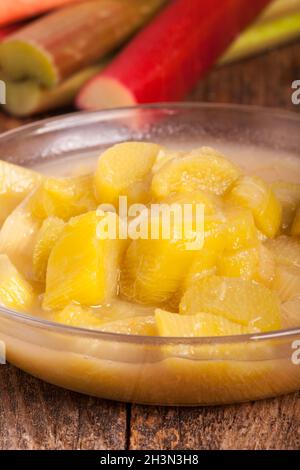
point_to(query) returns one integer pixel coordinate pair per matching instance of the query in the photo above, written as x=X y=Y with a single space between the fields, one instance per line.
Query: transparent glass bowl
x=180 y=371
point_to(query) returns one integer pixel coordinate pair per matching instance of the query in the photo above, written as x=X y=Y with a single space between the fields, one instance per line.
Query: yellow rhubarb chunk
x=290 y=312
x=255 y=263
x=253 y=193
x=199 y=325
x=287 y=282
x=155 y=266
x=295 y=230
x=15 y=292
x=83 y=266
x=241 y=229
x=142 y=326
x=88 y=317
x=211 y=204
x=202 y=169
x=125 y=170
x=64 y=198
x=242 y=301
x=15 y=184
x=203 y=265
x=46 y=238
x=79 y=316
x=85 y=317
x=18 y=235
x=286 y=250
x=288 y=194
x=239 y=263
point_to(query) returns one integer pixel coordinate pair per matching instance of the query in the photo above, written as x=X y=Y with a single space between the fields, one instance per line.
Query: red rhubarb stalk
x=7 y=31
x=166 y=60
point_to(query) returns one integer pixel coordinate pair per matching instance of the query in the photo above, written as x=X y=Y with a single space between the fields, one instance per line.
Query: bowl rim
x=71 y=119
x=46 y=124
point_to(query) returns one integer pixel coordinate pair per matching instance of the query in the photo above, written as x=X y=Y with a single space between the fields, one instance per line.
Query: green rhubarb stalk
x=262 y=36
x=279 y=8
x=27 y=98
x=54 y=47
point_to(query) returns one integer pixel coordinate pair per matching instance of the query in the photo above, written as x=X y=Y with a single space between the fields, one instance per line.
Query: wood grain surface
x=35 y=415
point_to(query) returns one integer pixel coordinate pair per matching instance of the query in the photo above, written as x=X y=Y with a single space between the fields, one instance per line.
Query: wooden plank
x=264 y=80
x=263 y=425
x=35 y=415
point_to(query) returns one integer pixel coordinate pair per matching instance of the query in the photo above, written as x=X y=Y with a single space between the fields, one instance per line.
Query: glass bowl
x=155 y=370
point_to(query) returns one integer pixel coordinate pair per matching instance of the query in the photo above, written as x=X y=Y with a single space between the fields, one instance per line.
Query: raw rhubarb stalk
x=15 y=10
x=280 y=8
x=263 y=36
x=54 y=47
x=166 y=59
x=4 y=32
x=27 y=98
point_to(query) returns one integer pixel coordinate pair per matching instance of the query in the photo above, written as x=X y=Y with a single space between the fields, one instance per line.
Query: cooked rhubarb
x=15 y=184
x=256 y=195
x=245 y=302
x=82 y=267
x=295 y=230
x=48 y=235
x=125 y=170
x=234 y=270
x=199 y=325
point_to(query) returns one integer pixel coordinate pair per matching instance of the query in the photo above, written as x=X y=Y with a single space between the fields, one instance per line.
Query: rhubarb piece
x=210 y=203
x=125 y=170
x=166 y=60
x=15 y=292
x=287 y=282
x=193 y=326
x=17 y=10
x=286 y=250
x=255 y=263
x=83 y=266
x=202 y=169
x=204 y=265
x=79 y=316
x=15 y=184
x=18 y=235
x=295 y=230
x=253 y=193
x=86 y=317
x=142 y=326
x=288 y=194
x=242 y=301
x=154 y=267
x=48 y=235
x=56 y=46
x=241 y=231
x=90 y=317
x=263 y=36
x=290 y=312
x=279 y=9
x=27 y=97
x=63 y=197
x=4 y=32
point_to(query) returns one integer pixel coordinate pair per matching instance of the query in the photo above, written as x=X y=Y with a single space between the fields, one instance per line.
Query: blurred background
x=58 y=56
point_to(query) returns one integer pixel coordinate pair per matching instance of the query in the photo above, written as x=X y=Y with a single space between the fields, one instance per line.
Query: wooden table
x=34 y=415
